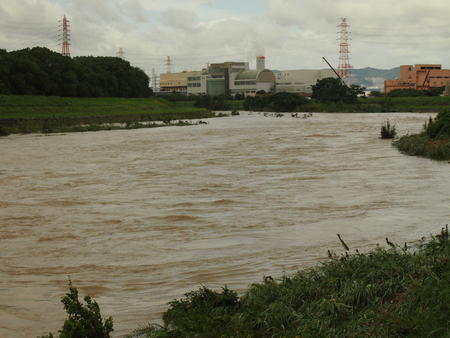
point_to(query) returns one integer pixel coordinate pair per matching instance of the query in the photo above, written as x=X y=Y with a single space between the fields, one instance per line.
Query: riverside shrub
x=84 y=320
x=401 y=291
x=433 y=142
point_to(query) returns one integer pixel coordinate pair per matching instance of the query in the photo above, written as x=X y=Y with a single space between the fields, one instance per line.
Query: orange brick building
x=420 y=77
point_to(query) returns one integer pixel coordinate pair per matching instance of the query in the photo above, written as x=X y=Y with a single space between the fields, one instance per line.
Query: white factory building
x=301 y=80
x=231 y=78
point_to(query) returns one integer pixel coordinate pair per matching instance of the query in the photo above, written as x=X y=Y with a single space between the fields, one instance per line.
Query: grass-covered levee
x=402 y=291
x=433 y=142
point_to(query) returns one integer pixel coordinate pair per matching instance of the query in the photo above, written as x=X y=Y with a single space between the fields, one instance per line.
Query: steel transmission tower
x=121 y=53
x=344 y=68
x=154 y=80
x=65 y=37
x=169 y=65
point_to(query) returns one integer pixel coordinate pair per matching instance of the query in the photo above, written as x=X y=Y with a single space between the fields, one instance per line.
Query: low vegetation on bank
x=397 y=291
x=402 y=291
x=48 y=114
x=433 y=142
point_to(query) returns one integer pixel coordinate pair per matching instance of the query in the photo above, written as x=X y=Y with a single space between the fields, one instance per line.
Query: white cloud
x=293 y=34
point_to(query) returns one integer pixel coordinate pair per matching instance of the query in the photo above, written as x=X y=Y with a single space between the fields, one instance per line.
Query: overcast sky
x=291 y=34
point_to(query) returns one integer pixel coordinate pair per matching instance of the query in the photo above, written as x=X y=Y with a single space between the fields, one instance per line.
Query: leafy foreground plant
x=84 y=321
x=395 y=292
x=388 y=131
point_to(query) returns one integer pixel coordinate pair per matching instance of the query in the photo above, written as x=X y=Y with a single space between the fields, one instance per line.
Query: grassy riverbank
x=402 y=291
x=433 y=142
x=34 y=114
x=46 y=114
x=384 y=104
x=372 y=105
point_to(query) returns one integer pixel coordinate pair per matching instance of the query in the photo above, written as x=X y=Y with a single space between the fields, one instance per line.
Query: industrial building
x=420 y=77
x=231 y=78
x=301 y=80
x=174 y=82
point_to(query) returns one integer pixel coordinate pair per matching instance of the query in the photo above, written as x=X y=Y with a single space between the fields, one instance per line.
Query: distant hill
x=372 y=78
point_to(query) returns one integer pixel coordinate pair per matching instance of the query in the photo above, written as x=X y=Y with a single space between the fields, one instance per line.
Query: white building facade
x=231 y=78
x=301 y=80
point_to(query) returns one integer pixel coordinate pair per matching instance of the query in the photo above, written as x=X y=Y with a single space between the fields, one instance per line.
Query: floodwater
x=137 y=218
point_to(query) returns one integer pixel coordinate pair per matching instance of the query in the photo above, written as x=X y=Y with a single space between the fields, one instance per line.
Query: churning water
x=136 y=218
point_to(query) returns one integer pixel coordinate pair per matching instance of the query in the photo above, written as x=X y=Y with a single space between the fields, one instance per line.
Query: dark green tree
x=40 y=71
x=440 y=127
x=286 y=102
x=239 y=96
x=333 y=90
x=220 y=102
x=376 y=93
x=279 y=102
x=85 y=320
x=410 y=92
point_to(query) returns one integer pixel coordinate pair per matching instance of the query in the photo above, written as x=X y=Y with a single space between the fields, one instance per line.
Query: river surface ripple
x=137 y=218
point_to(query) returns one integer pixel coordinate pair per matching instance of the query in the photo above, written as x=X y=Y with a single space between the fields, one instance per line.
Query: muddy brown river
x=137 y=218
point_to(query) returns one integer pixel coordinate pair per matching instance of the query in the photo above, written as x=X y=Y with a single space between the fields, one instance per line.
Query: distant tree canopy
x=410 y=92
x=279 y=102
x=40 y=71
x=212 y=102
x=376 y=93
x=333 y=90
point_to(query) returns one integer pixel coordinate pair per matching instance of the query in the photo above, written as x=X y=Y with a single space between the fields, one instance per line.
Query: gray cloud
x=178 y=19
x=291 y=33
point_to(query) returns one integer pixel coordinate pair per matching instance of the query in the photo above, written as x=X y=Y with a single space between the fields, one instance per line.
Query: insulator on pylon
x=344 y=68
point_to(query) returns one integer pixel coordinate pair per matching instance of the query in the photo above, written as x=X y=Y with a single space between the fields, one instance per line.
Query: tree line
x=40 y=71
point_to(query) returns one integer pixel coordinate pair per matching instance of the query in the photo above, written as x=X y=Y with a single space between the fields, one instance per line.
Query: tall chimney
x=260 y=62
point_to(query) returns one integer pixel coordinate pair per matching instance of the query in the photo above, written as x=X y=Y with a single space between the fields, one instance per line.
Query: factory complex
x=231 y=78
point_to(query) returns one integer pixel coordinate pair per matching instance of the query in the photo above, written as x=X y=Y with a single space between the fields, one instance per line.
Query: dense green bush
x=40 y=71
x=388 y=131
x=84 y=320
x=279 y=102
x=433 y=142
x=396 y=292
x=334 y=90
x=410 y=92
x=440 y=126
x=3 y=131
x=220 y=102
x=376 y=93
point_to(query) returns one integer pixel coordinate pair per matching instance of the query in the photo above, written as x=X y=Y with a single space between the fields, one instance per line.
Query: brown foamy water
x=139 y=217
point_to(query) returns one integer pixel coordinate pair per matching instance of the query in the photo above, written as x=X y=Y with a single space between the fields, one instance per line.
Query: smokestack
x=260 y=62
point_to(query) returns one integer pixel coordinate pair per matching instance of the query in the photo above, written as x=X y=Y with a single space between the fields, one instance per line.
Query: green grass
x=402 y=291
x=43 y=114
x=433 y=142
x=13 y=107
x=409 y=104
